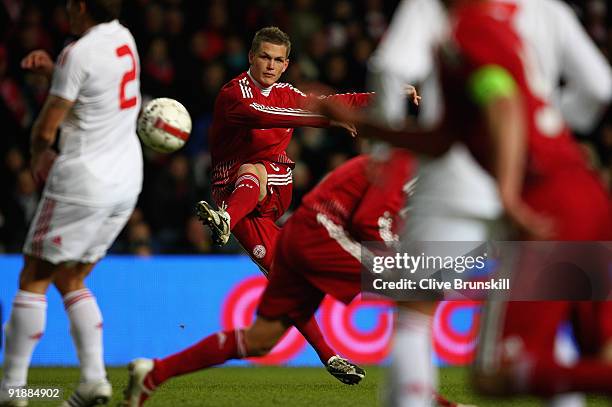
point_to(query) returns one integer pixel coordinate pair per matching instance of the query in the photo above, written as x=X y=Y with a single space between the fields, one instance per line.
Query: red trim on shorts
x=42 y=226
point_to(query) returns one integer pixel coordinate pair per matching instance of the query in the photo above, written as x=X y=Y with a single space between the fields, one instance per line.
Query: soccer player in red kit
x=544 y=183
x=343 y=210
x=253 y=121
x=496 y=106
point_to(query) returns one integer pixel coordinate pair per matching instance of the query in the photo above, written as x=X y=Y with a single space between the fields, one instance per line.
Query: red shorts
x=531 y=327
x=592 y=324
x=576 y=201
x=309 y=263
x=257 y=232
x=580 y=207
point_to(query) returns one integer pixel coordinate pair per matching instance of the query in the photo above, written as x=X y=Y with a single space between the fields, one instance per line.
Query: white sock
x=567 y=355
x=413 y=377
x=23 y=331
x=86 y=329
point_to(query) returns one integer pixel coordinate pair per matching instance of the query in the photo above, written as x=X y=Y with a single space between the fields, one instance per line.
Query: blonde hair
x=273 y=35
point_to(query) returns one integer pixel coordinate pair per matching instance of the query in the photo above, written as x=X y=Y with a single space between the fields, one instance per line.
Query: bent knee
x=71 y=277
x=262 y=175
x=36 y=275
x=261 y=350
x=260 y=346
x=257 y=169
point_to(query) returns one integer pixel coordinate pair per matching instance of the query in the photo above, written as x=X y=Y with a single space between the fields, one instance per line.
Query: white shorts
x=452 y=227
x=67 y=232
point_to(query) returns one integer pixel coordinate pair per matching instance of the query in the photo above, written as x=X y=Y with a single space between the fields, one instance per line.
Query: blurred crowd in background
x=188 y=50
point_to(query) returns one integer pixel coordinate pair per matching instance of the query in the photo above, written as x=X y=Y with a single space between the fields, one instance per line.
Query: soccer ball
x=164 y=125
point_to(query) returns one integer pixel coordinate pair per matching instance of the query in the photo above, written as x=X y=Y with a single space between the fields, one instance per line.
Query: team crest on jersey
x=259 y=251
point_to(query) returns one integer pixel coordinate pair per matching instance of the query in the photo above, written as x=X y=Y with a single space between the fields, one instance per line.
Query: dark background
x=188 y=50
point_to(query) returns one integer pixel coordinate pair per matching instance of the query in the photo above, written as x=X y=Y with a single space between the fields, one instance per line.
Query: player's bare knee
x=36 y=275
x=245 y=168
x=258 y=345
x=71 y=277
x=263 y=335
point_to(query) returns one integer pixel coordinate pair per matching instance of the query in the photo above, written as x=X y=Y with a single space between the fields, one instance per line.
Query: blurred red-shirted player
x=344 y=209
x=545 y=182
x=496 y=106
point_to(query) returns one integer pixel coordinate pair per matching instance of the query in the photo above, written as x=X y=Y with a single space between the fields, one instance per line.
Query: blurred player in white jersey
x=455 y=199
x=91 y=189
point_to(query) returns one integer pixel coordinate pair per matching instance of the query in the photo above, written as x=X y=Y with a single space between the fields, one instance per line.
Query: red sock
x=244 y=198
x=311 y=331
x=588 y=375
x=210 y=351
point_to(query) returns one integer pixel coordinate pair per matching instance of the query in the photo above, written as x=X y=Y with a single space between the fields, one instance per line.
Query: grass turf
x=271 y=386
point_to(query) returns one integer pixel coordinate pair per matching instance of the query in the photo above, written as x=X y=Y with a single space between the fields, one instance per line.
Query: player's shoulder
x=486 y=29
x=77 y=50
x=239 y=86
x=487 y=15
x=287 y=87
x=112 y=33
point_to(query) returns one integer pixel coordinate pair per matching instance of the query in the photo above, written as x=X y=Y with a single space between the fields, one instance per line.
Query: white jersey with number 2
x=100 y=160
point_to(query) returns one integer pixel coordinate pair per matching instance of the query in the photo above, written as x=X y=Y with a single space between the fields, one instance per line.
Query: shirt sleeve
x=355 y=100
x=69 y=73
x=489 y=46
x=242 y=109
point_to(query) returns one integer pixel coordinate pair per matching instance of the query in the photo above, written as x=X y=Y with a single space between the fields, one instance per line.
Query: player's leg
x=412 y=375
x=286 y=294
x=148 y=374
x=86 y=330
x=25 y=325
x=86 y=241
x=250 y=188
x=317 y=259
x=523 y=361
x=28 y=315
x=258 y=236
x=412 y=336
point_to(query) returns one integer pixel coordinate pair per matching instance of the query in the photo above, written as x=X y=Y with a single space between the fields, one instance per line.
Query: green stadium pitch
x=272 y=386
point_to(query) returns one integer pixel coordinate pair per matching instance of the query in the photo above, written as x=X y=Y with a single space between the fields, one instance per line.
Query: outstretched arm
x=432 y=142
x=357 y=100
x=495 y=91
x=247 y=112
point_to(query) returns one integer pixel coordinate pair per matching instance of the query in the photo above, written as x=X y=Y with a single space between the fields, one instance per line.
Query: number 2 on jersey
x=129 y=76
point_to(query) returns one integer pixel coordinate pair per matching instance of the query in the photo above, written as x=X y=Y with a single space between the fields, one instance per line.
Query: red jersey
x=484 y=35
x=253 y=123
x=365 y=196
